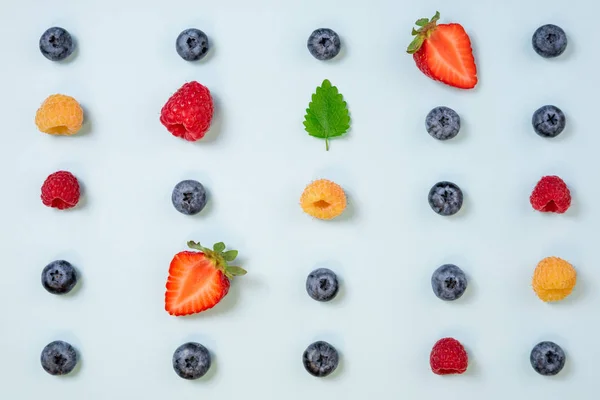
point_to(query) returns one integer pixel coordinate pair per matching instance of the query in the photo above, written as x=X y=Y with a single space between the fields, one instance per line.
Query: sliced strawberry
x=198 y=280
x=443 y=52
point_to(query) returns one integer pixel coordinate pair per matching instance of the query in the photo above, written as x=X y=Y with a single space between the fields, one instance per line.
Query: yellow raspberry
x=59 y=115
x=553 y=279
x=323 y=199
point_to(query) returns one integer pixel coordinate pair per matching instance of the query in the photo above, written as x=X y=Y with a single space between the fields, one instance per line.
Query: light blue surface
x=255 y=163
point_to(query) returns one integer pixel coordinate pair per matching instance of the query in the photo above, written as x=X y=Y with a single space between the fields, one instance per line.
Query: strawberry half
x=198 y=280
x=443 y=53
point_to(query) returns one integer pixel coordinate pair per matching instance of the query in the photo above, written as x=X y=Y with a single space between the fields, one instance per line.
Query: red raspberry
x=448 y=356
x=189 y=112
x=60 y=190
x=551 y=194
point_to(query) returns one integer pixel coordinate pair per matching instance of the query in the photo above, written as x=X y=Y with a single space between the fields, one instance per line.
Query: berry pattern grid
x=325 y=198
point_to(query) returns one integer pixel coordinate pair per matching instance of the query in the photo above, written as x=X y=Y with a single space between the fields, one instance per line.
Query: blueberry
x=324 y=44
x=448 y=282
x=56 y=44
x=58 y=358
x=445 y=198
x=320 y=359
x=548 y=121
x=192 y=44
x=322 y=284
x=59 y=277
x=191 y=361
x=549 y=41
x=442 y=123
x=189 y=197
x=547 y=358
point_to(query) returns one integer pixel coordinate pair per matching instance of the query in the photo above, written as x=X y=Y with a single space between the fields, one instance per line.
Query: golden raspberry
x=323 y=199
x=553 y=279
x=59 y=115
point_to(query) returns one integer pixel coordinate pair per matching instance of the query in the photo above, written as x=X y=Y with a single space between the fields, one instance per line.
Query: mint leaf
x=327 y=114
x=219 y=247
x=230 y=255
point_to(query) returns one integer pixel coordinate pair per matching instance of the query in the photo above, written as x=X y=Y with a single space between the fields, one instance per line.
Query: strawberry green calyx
x=426 y=27
x=220 y=258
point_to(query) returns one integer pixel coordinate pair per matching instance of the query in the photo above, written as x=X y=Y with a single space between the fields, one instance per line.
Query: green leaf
x=230 y=255
x=422 y=22
x=236 y=271
x=415 y=45
x=195 y=245
x=219 y=247
x=426 y=27
x=327 y=114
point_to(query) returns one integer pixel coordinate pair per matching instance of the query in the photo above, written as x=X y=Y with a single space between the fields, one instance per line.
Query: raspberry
x=59 y=115
x=448 y=356
x=323 y=199
x=553 y=279
x=188 y=113
x=551 y=194
x=60 y=190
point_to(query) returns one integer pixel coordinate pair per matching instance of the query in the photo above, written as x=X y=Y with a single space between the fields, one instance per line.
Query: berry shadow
x=211 y=373
x=341 y=56
x=77 y=368
x=339 y=371
x=476 y=55
x=207 y=58
x=470 y=294
x=77 y=288
x=473 y=370
x=86 y=128
x=349 y=213
x=216 y=127
x=83 y=198
x=73 y=55
x=577 y=295
x=463 y=133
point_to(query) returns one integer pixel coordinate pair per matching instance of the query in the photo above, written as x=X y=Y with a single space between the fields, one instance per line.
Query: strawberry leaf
x=219 y=247
x=416 y=44
x=195 y=245
x=230 y=255
x=236 y=271
x=426 y=26
x=327 y=114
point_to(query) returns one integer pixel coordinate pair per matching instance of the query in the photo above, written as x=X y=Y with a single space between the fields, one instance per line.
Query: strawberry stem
x=426 y=27
x=220 y=257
